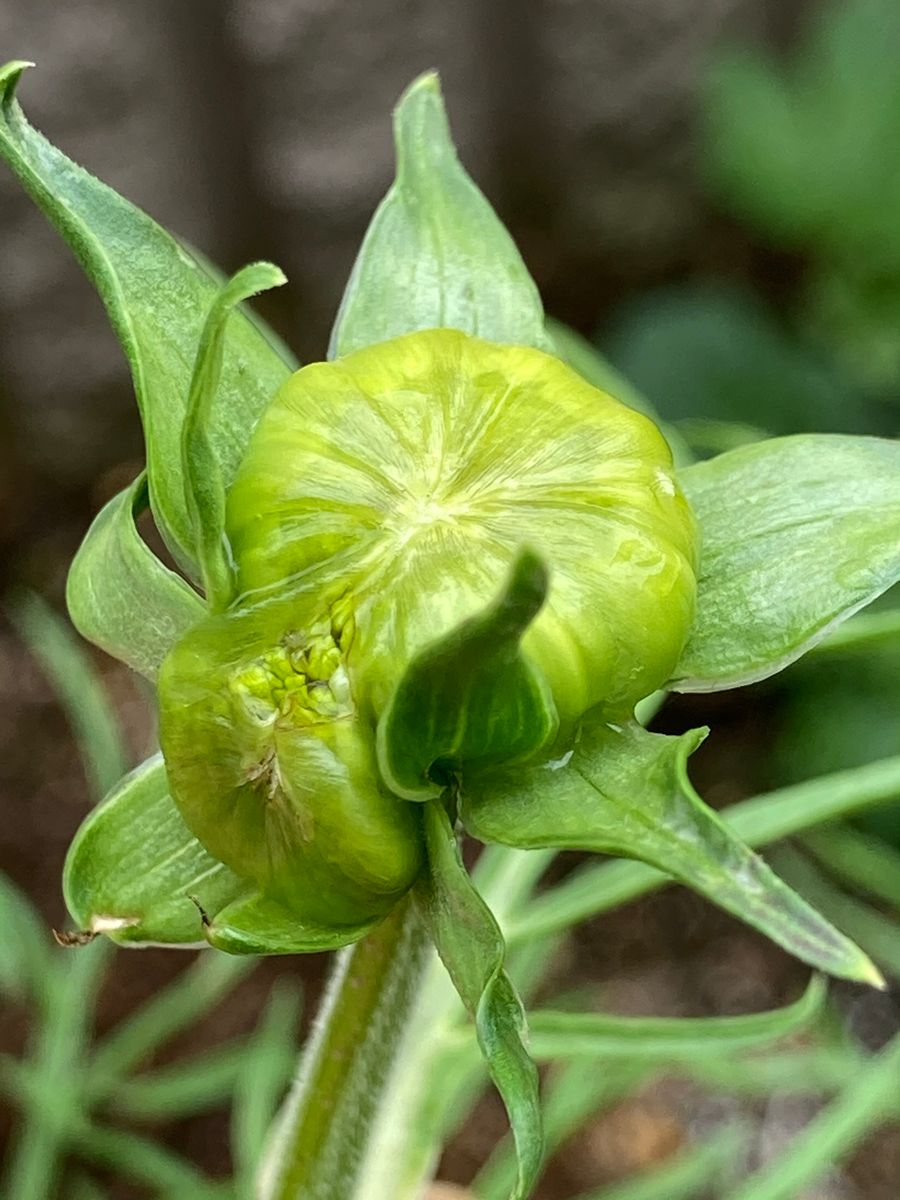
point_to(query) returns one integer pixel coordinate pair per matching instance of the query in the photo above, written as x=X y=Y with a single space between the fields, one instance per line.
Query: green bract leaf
x=256 y=925
x=157 y=297
x=626 y=792
x=120 y=596
x=797 y=533
x=435 y=254
x=471 y=947
x=471 y=697
x=203 y=484
x=576 y=1035
x=134 y=871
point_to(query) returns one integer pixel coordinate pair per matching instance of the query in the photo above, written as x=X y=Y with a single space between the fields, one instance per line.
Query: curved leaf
x=120 y=596
x=435 y=255
x=797 y=534
x=567 y=1035
x=626 y=792
x=203 y=484
x=136 y=873
x=157 y=297
x=471 y=947
x=471 y=697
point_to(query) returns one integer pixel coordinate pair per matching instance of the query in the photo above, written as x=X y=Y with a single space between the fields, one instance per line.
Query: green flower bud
x=382 y=502
x=272 y=768
x=401 y=481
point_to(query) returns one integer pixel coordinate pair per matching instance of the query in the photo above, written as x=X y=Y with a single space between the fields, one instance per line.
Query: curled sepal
x=471 y=947
x=471 y=698
x=798 y=533
x=157 y=295
x=204 y=487
x=256 y=925
x=136 y=873
x=274 y=770
x=435 y=254
x=120 y=596
x=624 y=791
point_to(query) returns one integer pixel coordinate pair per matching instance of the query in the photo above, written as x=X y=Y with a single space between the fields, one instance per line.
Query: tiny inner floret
x=302 y=680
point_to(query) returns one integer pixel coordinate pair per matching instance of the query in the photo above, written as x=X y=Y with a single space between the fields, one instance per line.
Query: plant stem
x=322 y=1135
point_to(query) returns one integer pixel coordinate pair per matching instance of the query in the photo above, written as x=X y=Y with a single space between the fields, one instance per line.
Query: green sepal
x=626 y=792
x=120 y=596
x=435 y=254
x=471 y=947
x=472 y=699
x=157 y=296
x=797 y=534
x=580 y=1035
x=254 y=924
x=135 y=872
x=203 y=485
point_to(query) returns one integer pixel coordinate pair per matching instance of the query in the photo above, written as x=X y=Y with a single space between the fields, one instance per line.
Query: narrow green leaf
x=157 y=297
x=600 y=887
x=24 y=948
x=435 y=254
x=183 y=1089
x=134 y=871
x=120 y=596
x=868 y=1101
x=88 y=708
x=144 y=1161
x=860 y=860
x=867 y=630
x=204 y=486
x=797 y=534
x=471 y=947
x=254 y=924
x=626 y=792
x=471 y=698
x=633 y=1039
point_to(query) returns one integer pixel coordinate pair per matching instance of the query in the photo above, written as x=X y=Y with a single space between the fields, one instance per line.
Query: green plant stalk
x=415 y=1118
x=321 y=1137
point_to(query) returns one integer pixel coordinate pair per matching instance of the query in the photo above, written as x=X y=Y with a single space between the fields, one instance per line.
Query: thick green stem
x=324 y=1131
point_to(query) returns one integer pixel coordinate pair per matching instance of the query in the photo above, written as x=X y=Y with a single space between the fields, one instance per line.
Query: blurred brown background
x=261 y=128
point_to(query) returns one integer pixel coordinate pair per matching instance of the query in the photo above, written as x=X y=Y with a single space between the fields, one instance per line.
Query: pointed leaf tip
x=626 y=792
x=428 y=81
x=10 y=74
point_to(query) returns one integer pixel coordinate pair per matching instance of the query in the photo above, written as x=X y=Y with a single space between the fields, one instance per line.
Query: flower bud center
x=302 y=681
